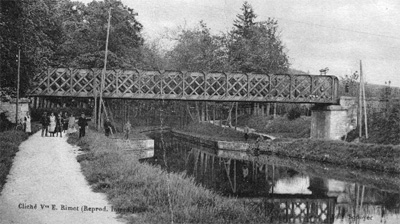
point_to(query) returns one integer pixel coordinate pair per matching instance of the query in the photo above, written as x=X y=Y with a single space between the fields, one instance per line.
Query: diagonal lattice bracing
x=179 y=85
x=172 y=83
x=193 y=84
x=237 y=85
x=259 y=86
x=215 y=85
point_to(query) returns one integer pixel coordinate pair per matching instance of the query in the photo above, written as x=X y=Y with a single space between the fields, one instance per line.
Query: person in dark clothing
x=65 y=122
x=44 y=120
x=107 y=127
x=59 y=125
x=82 y=123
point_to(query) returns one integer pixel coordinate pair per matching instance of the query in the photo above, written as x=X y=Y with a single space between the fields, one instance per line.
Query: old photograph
x=207 y=112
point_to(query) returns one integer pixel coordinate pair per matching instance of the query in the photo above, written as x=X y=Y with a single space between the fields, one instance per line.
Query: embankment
x=359 y=155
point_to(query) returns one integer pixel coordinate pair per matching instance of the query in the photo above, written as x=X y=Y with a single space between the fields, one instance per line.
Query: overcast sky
x=317 y=33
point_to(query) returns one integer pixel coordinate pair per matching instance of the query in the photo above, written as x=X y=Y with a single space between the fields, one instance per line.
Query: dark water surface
x=288 y=190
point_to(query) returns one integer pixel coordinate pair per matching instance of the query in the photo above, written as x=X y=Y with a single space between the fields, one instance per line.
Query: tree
x=256 y=46
x=25 y=25
x=86 y=29
x=197 y=50
x=245 y=22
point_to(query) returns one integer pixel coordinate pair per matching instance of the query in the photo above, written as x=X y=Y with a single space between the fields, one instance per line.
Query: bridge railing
x=182 y=85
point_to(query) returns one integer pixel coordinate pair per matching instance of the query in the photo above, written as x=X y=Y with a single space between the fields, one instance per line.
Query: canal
x=286 y=190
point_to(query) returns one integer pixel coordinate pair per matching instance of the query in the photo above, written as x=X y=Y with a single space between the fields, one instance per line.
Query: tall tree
x=244 y=22
x=197 y=50
x=86 y=29
x=25 y=25
x=256 y=46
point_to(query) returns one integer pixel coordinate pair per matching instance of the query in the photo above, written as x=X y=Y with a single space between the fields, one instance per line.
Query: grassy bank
x=151 y=194
x=367 y=156
x=280 y=126
x=9 y=143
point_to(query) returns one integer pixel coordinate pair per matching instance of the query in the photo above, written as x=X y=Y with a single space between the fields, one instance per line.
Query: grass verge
x=147 y=194
x=360 y=155
x=214 y=132
x=280 y=127
x=9 y=143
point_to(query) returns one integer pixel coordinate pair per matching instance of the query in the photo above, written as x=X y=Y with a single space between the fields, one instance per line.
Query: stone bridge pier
x=334 y=121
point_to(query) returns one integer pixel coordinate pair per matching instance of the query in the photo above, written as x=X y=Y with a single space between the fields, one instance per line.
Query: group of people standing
x=57 y=124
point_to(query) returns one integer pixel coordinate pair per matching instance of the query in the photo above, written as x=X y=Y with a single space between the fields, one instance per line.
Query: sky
x=337 y=34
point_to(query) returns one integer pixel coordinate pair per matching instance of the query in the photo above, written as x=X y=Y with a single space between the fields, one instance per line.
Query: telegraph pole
x=18 y=75
x=103 y=74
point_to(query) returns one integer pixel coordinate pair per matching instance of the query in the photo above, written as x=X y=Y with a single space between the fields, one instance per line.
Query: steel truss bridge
x=182 y=85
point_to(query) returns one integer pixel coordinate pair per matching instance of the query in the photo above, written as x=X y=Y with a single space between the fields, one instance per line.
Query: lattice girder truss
x=182 y=85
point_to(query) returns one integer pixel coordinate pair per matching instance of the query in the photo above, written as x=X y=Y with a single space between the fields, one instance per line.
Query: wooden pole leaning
x=103 y=74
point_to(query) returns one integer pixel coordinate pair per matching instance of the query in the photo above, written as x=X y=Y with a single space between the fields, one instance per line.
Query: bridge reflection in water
x=284 y=190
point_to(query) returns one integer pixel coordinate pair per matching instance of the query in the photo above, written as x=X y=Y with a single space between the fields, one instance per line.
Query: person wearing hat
x=82 y=123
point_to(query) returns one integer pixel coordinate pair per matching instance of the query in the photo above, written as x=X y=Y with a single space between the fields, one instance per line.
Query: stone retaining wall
x=9 y=108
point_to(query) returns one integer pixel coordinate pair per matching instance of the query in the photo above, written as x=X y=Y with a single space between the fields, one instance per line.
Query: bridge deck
x=180 y=85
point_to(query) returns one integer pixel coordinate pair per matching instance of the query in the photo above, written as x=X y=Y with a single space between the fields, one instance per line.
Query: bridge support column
x=334 y=121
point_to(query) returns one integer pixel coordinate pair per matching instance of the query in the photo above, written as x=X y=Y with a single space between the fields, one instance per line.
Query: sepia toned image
x=182 y=111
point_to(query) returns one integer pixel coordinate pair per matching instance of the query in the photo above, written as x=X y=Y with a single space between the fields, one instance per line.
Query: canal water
x=286 y=189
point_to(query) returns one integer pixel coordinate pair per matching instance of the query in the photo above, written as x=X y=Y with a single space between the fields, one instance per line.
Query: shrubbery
x=294 y=113
x=9 y=142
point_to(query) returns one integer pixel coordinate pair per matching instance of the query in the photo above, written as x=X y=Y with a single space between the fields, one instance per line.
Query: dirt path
x=45 y=172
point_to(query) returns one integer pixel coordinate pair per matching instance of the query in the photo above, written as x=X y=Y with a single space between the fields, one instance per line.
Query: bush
x=294 y=113
x=5 y=124
x=9 y=142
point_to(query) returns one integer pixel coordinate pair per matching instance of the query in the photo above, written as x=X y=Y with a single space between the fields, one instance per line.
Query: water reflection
x=287 y=190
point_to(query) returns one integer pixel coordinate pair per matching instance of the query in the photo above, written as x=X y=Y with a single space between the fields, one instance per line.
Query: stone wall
x=9 y=108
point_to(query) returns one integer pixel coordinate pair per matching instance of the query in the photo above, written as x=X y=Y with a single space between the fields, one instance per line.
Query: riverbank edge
x=376 y=157
x=144 y=193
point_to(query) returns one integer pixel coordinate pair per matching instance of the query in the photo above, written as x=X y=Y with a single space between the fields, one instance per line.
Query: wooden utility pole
x=364 y=102
x=103 y=74
x=360 y=118
x=18 y=75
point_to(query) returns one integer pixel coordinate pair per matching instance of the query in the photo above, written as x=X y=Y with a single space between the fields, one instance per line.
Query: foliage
x=9 y=142
x=256 y=46
x=294 y=113
x=70 y=34
x=5 y=124
x=250 y=47
x=384 y=127
x=213 y=132
x=366 y=156
x=25 y=25
x=197 y=50
x=85 y=29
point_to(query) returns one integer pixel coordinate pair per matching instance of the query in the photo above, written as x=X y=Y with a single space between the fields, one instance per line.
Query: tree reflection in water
x=287 y=190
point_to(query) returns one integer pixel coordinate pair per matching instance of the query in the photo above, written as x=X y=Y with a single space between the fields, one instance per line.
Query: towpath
x=45 y=185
